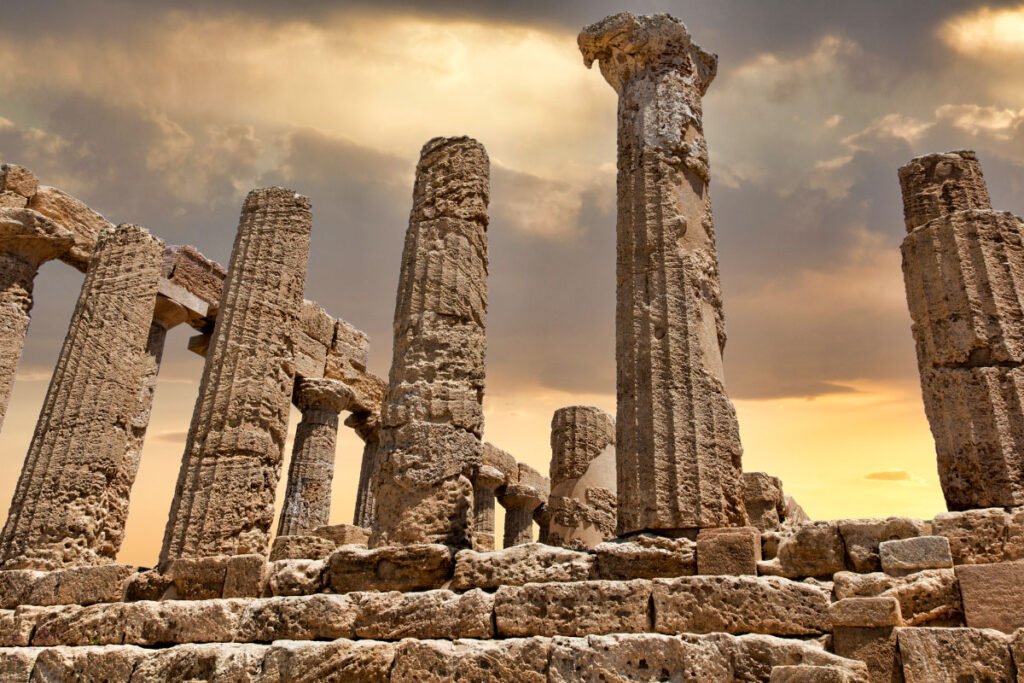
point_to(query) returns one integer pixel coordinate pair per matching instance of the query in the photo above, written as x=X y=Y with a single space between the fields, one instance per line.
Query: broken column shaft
x=521 y=501
x=677 y=447
x=432 y=415
x=224 y=499
x=307 y=500
x=71 y=501
x=963 y=265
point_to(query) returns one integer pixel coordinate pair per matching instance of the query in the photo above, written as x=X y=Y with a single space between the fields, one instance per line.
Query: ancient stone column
x=224 y=499
x=27 y=240
x=307 y=500
x=432 y=416
x=678 y=447
x=963 y=265
x=71 y=501
x=581 y=509
x=521 y=500
x=485 y=483
x=367 y=426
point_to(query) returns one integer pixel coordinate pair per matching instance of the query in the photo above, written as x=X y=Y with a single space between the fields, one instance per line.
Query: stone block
x=808 y=673
x=739 y=604
x=430 y=614
x=812 y=549
x=518 y=565
x=875 y=646
x=752 y=657
x=17 y=587
x=975 y=536
x=199 y=578
x=89 y=585
x=339 y=660
x=866 y=612
x=929 y=598
x=308 y=617
x=245 y=576
x=301 y=548
x=343 y=534
x=101 y=624
x=316 y=322
x=237 y=663
x=83 y=222
x=12 y=200
x=729 y=551
x=310 y=356
x=109 y=664
x=763 y=500
x=351 y=344
x=645 y=557
x=16 y=626
x=295 y=577
x=180 y=621
x=862 y=536
x=524 y=660
x=16 y=663
x=911 y=555
x=19 y=180
x=636 y=657
x=993 y=595
x=937 y=655
x=148 y=585
x=572 y=609
x=402 y=568
x=188 y=268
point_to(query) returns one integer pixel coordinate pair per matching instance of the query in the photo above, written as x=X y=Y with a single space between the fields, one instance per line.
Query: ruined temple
x=658 y=558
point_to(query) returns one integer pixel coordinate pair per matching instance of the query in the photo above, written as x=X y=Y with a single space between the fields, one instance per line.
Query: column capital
x=32 y=236
x=626 y=45
x=936 y=185
x=322 y=394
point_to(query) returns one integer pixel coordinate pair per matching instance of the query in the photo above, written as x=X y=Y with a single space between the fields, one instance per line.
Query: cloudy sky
x=167 y=116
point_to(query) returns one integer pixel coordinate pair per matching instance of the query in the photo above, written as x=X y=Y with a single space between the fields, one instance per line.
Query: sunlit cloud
x=987 y=32
x=889 y=475
x=999 y=123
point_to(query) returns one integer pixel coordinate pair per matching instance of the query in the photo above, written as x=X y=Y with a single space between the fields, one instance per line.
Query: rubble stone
x=519 y=565
x=301 y=548
x=910 y=555
x=19 y=180
x=862 y=536
x=295 y=577
x=763 y=500
x=928 y=598
x=812 y=549
x=993 y=595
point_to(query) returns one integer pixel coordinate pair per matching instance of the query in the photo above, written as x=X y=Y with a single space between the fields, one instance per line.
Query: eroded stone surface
x=301 y=548
x=82 y=222
x=763 y=500
x=645 y=556
x=993 y=595
x=404 y=568
x=572 y=609
x=295 y=577
x=975 y=536
x=866 y=612
x=928 y=598
x=430 y=614
x=240 y=663
x=938 y=655
x=314 y=617
x=910 y=555
x=862 y=536
x=811 y=549
x=430 y=661
x=518 y=565
x=339 y=660
x=729 y=551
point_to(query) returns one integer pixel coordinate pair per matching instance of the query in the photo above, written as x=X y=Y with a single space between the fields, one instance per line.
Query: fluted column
x=432 y=415
x=307 y=500
x=963 y=265
x=367 y=426
x=485 y=483
x=27 y=240
x=71 y=501
x=224 y=498
x=677 y=445
x=521 y=500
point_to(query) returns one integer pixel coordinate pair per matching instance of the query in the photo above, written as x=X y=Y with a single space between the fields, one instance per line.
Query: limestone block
x=636 y=657
x=201 y=277
x=295 y=577
x=16 y=626
x=910 y=555
x=937 y=185
x=310 y=356
x=975 y=536
x=739 y=604
x=1013 y=549
x=301 y=547
x=728 y=550
x=862 y=536
x=403 y=568
x=812 y=549
x=763 y=500
x=518 y=565
x=101 y=624
x=928 y=598
x=88 y=585
x=807 y=673
x=752 y=657
x=180 y=621
x=430 y=614
x=940 y=655
x=237 y=663
x=572 y=609
x=84 y=223
x=17 y=587
x=12 y=200
x=993 y=595
x=350 y=343
x=199 y=578
x=19 y=180
x=524 y=660
x=875 y=646
x=245 y=576
x=307 y=617
x=645 y=557
x=343 y=534
x=339 y=660
x=148 y=585
x=866 y=612
x=110 y=664
x=16 y=663
x=501 y=461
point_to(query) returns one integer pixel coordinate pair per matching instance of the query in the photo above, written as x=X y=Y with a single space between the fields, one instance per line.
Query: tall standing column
x=27 y=240
x=432 y=416
x=677 y=448
x=307 y=500
x=224 y=499
x=71 y=501
x=963 y=266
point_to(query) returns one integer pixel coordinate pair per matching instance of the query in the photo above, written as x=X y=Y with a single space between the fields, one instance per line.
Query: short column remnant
x=963 y=266
x=485 y=483
x=432 y=415
x=678 y=446
x=27 y=240
x=367 y=426
x=307 y=500
x=224 y=499
x=71 y=501
x=581 y=510
x=520 y=501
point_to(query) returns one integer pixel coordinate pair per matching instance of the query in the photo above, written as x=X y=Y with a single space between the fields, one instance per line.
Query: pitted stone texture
x=307 y=500
x=430 y=614
x=149 y=585
x=581 y=508
x=866 y=612
x=200 y=578
x=82 y=222
x=519 y=565
x=234 y=663
x=810 y=549
x=432 y=416
x=110 y=664
x=645 y=557
x=928 y=598
x=806 y=673
x=339 y=660
x=245 y=576
x=224 y=498
x=938 y=185
x=301 y=548
x=911 y=555
x=677 y=442
x=636 y=657
x=343 y=534
x=875 y=646
x=75 y=586
x=524 y=660
x=729 y=550
x=16 y=663
x=975 y=536
x=200 y=276
x=19 y=180
x=313 y=617
x=941 y=655
x=763 y=500
x=401 y=568
x=862 y=536
x=295 y=577
x=71 y=501
x=739 y=604
x=993 y=595
x=573 y=609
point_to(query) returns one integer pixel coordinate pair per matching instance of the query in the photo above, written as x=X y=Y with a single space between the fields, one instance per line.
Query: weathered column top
x=452 y=185
x=322 y=394
x=32 y=236
x=937 y=185
x=626 y=45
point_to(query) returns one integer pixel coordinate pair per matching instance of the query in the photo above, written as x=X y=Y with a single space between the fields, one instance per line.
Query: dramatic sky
x=166 y=116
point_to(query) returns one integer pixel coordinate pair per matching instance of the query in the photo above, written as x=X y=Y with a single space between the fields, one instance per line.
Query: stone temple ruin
x=659 y=560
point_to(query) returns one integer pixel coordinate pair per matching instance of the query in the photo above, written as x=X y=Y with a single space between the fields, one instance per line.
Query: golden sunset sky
x=167 y=115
